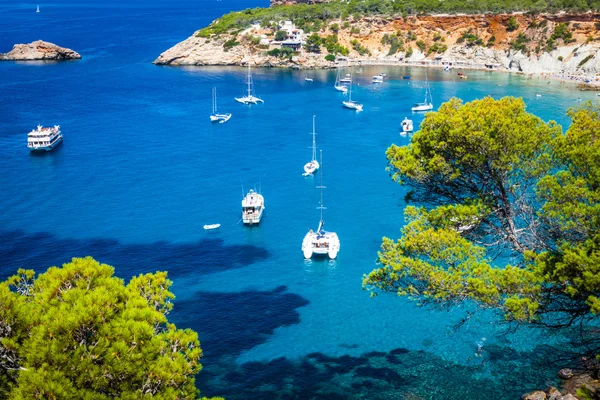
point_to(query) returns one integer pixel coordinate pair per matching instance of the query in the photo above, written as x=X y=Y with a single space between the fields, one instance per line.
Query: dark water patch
x=349 y=346
x=230 y=323
x=398 y=374
x=39 y=251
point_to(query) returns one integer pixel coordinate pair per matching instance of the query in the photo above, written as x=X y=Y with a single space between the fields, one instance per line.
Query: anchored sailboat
x=249 y=98
x=351 y=104
x=313 y=165
x=321 y=242
x=427 y=104
x=338 y=85
x=215 y=116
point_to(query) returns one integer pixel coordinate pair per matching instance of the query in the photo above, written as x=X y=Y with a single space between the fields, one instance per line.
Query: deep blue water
x=142 y=170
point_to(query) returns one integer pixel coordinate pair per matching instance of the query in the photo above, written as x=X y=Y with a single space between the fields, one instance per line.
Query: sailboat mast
x=214 y=100
x=321 y=185
x=314 y=149
x=249 y=81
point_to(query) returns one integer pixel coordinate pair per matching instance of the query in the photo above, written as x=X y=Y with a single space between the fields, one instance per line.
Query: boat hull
x=34 y=149
x=220 y=118
x=428 y=107
x=352 y=105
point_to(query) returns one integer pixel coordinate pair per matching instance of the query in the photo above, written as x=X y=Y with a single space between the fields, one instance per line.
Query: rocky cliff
x=562 y=43
x=39 y=50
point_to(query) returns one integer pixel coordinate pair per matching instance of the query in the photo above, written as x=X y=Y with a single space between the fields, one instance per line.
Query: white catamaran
x=321 y=242
x=427 y=104
x=215 y=116
x=313 y=165
x=249 y=98
x=351 y=104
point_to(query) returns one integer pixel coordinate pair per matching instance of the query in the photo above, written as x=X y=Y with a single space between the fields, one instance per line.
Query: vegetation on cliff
x=78 y=332
x=312 y=16
x=510 y=217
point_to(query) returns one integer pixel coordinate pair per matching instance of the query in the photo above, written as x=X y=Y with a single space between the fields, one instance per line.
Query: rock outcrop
x=39 y=50
x=559 y=44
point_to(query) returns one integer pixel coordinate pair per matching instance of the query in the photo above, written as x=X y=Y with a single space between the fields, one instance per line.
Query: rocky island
x=39 y=50
x=316 y=35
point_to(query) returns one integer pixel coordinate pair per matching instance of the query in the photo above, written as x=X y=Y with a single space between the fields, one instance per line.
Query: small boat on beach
x=313 y=165
x=211 y=226
x=215 y=116
x=249 y=98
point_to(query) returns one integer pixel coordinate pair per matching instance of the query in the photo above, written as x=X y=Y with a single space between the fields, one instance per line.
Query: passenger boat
x=215 y=116
x=321 y=242
x=313 y=165
x=249 y=98
x=44 y=138
x=253 y=206
x=407 y=125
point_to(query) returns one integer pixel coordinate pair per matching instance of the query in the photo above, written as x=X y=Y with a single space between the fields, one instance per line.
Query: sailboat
x=351 y=104
x=321 y=242
x=38 y=9
x=338 y=85
x=313 y=165
x=426 y=105
x=249 y=98
x=215 y=116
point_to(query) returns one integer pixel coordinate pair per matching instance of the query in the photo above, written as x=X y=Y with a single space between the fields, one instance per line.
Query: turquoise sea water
x=142 y=170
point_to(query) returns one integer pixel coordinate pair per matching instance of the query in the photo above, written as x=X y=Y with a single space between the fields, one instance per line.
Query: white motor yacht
x=407 y=125
x=253 y=206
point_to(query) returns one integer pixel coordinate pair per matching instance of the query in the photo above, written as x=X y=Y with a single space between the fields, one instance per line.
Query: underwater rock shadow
x=39 y=251
x=398 y=374
x=231 y=323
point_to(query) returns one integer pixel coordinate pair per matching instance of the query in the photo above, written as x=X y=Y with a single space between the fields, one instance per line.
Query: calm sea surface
x=142 y=170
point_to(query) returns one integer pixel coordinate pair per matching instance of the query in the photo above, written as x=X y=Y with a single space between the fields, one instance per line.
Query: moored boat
x=407 y=125
x=249 y=98
x=427 y=104
x=44 y=138
x=321 y=242
x=378 y=79
x=253 y=206
x=215 y=116
x=211 y=226
x=313 y=165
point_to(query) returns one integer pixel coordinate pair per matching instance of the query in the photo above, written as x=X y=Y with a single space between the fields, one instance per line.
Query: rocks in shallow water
x=39 y=50
x=553 y=393
x=537 y=395
x=565 y=373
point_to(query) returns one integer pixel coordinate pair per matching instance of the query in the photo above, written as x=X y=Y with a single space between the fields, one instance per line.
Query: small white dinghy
x=211 y=226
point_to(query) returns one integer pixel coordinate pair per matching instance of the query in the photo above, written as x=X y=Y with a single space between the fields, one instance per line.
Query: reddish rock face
x=39 y=50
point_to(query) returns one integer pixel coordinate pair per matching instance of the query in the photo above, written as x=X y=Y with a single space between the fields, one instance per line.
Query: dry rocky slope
x=39 y=50
x=530 y=48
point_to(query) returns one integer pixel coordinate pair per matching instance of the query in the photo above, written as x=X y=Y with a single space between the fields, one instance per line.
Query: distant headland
x=39 y=50
x=317 y=34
